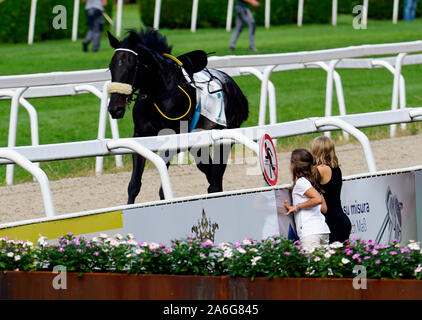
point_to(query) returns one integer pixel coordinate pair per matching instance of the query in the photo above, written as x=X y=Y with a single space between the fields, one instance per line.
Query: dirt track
x=78 y=194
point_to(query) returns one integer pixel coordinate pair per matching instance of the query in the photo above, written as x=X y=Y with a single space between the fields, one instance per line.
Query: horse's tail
x=237 y=109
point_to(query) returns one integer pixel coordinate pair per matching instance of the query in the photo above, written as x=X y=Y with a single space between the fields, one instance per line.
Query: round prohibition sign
x=268 y=160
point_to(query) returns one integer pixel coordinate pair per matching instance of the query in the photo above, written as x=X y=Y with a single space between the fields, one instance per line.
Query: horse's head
x=123 y=69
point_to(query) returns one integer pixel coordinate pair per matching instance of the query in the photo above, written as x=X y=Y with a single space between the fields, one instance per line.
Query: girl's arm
x=323 y=205
x=315 y=199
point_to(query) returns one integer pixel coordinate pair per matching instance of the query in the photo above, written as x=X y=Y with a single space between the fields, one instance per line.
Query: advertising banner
x=221 y=219
x=381 y=208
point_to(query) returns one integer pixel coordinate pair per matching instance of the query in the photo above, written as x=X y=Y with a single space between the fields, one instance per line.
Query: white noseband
x=119 y=87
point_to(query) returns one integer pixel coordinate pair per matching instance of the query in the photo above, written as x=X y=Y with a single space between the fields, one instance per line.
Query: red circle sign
x=268 y=160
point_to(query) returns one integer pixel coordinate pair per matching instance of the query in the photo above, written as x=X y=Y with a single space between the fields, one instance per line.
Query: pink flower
x=69 y=234
x=356 y=256
x=287 y=253
x=367 y=257
x=207 y=243
x=96 y=253
x=374 y=252
x=61 y=249
x=393 y=253
x=377 y=261
x=203 y=256
x=403 y=250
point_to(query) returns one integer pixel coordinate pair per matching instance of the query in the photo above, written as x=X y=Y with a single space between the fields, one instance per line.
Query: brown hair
x=303 y=165
x=324 y=152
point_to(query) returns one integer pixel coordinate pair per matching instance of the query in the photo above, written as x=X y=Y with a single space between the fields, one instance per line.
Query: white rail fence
x=20 y=88
x=54 y=85
x=27 y=155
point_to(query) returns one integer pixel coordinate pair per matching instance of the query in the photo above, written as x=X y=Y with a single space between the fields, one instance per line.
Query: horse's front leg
x=135 y=181
x=167 y=157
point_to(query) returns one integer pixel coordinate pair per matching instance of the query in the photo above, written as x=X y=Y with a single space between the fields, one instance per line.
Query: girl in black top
x=323 y=150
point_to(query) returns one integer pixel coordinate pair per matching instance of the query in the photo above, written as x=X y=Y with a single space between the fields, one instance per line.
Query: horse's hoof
x=212 y=189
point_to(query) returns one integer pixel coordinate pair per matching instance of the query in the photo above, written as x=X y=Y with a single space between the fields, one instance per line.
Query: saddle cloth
x=210 y=97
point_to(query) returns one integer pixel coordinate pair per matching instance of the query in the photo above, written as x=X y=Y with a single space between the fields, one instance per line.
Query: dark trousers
x=95 y=23
x=243 y=17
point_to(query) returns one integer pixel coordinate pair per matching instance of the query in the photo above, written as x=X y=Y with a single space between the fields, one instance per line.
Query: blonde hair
x=323 y=150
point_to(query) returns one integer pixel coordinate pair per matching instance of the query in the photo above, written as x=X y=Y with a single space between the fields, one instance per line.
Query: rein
x=127 y=89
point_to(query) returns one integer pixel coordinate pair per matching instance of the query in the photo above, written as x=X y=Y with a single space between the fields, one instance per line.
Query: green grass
x=300 y=93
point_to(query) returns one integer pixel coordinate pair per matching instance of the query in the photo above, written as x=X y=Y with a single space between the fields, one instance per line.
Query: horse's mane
x=149 y=38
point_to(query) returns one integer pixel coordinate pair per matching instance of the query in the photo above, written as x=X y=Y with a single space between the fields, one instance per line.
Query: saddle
x=194 y=61
x=209 y=89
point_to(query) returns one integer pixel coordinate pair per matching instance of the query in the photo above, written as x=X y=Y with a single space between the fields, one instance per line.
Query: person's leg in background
x=414 y=6
x=409 y=10
x=97 y=30
x=238 y=27
x=90 y=35
x=248 y=17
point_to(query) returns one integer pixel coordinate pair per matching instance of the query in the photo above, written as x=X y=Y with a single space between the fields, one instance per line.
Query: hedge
x=213 y=13
x=14 y=20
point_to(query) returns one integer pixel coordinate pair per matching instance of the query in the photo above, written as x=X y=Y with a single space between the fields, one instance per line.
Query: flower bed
x=272 y=258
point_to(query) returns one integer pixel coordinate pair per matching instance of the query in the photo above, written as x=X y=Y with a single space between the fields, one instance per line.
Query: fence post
x=396 y=88
x=13 y=124
x=395 y=11
x=267 y=13
x=32 y=21
x=157 y=14
x=300 y=13
x=334 y=13
x=75 y=21
x=229 y=15
x=263 y=98
x=119 y=17
x=38 y=174
x=147 y=154
x=329 y=90
x=194 y=16
x=365 y=13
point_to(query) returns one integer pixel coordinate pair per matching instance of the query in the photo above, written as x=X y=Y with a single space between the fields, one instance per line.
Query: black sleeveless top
x=332 y=191
x=338 y=222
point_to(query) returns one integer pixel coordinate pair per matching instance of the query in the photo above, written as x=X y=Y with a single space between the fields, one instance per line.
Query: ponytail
x=304 y=166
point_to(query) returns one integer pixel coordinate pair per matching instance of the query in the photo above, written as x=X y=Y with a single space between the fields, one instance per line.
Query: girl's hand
x=290 y=209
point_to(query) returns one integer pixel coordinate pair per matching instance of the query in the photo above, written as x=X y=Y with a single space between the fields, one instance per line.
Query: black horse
x=142 y=66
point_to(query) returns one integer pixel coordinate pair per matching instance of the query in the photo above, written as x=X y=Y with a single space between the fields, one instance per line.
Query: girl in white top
x=308 y=203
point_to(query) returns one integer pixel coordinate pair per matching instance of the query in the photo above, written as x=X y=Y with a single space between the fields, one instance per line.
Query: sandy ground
x=23 y=201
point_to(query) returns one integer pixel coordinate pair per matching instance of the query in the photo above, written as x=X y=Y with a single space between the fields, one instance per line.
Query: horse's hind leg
x=167 y=157
x=218 y=167
x=135 y=181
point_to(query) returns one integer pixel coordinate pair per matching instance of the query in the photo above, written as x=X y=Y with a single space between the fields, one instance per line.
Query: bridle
x=125 y=88
x=130 y=91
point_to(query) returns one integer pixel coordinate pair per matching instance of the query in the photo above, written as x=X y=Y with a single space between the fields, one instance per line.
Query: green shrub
x=14 y=20
x=272 y=257
x=213 y=13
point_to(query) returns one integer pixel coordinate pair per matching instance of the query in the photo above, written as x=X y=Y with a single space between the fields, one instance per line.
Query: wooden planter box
x=39 y=285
